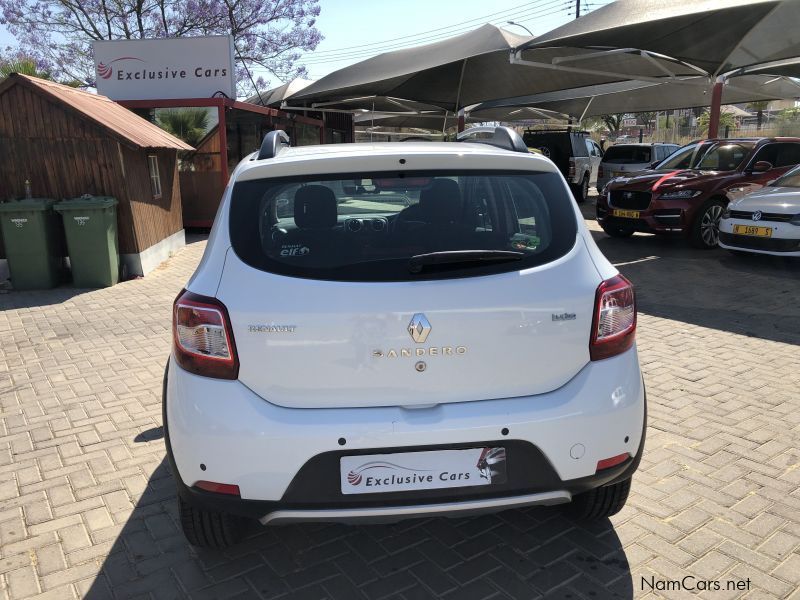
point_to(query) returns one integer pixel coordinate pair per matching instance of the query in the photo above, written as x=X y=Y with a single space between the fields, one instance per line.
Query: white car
x=766 y=221
x=620 y=160
x=447 y=342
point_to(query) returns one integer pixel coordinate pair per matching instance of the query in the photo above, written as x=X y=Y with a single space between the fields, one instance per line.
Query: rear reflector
x=614 y=322
x=202 y=337
x=607 y=463
x=219 y=488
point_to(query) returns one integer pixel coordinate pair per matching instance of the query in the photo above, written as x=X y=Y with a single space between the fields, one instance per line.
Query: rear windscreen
x=622 y=155
x=401 y=227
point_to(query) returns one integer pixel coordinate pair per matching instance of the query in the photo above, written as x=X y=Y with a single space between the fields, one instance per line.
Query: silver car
x=766 y=221
x=622 y=159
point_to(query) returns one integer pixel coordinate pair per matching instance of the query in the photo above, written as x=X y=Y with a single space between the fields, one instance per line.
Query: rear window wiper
x=417 y=263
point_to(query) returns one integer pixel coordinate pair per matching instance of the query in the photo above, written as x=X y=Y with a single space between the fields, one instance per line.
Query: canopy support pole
x=585 y=109
x=458 y=98
x=716 y=107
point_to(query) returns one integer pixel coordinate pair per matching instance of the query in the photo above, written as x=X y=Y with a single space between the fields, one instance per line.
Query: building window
x=155 y=178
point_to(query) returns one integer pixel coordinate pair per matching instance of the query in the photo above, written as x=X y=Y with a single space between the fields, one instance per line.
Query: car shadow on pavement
x=519 y=554
x=750 y=295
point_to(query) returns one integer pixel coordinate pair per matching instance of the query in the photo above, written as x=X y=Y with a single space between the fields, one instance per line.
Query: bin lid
x=27 y=204
x=84 y=202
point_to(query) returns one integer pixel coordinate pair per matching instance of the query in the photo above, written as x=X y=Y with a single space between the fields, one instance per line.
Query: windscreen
x=708 y=156
x=628 y=155
x=790 y=179
x=401 y=227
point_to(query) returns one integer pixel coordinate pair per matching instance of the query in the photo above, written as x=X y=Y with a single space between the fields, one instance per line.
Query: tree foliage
x=188 y=124
x=58 y=34
x=759 y=107
x=726 y=119
x=613 y=122
x=19 y=63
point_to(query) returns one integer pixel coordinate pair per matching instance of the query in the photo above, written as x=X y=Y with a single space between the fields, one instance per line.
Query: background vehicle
x=688 y=192
x=623 y=159
x=766 y=221
x=343 y=357
x=576 y=156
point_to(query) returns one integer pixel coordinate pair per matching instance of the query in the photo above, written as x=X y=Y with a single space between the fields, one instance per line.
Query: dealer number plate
x=752 y=230
x=626 y=214
x=409 y=471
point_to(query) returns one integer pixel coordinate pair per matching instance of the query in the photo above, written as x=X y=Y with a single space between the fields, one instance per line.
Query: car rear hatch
x=356 y=295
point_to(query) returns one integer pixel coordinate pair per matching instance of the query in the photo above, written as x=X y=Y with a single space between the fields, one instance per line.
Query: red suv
x=687 y=192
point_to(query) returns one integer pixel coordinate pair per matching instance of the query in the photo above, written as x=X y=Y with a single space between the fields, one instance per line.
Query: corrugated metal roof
x=106 y=113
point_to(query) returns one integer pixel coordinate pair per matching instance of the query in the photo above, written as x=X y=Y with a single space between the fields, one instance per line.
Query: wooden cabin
x=68 y=143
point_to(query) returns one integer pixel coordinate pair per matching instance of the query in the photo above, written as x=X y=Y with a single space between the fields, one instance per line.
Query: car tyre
x=209 y=529
x=581 y=191
x=600 y=502
x=617 y=231
x=705 y=229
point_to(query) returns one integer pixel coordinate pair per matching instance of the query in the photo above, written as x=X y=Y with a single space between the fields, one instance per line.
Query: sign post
x=166 y=68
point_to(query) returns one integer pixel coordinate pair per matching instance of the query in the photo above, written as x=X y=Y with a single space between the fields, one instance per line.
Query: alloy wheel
x=709 y=225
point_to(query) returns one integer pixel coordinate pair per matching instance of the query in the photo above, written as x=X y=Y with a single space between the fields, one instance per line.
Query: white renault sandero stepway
x=398 y=330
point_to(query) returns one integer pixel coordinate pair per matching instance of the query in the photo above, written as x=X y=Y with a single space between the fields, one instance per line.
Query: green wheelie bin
x=90 y=223
x=34 y=243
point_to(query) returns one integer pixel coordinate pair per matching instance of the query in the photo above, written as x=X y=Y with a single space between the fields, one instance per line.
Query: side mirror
x=762 y=166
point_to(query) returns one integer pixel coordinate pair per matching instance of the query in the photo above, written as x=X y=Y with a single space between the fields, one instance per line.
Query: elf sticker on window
x=19 y=222
x=81 y=221
x=294 y=250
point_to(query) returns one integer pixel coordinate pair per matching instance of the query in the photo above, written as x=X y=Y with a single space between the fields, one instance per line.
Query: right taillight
x=614 y=322
x=202 y=337
x=571 y=172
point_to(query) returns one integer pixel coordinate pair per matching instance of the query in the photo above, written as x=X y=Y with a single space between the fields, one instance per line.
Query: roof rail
x=502 y=137
x=273 y=143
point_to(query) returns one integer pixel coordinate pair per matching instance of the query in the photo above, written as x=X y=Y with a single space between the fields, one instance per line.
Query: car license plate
x=410 y=471
x=626 y=214
x=752 y=230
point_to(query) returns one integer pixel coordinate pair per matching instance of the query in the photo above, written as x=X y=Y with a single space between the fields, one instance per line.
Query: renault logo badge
x=419 y=328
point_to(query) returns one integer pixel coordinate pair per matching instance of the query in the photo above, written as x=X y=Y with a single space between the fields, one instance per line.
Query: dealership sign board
x=189 y=67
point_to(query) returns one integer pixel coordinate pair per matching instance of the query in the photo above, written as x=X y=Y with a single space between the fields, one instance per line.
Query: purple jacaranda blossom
x=268 y=35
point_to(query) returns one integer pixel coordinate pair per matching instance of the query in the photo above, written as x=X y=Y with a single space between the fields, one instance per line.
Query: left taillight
x=614 y=322
x=202 y=337
x=571 y=171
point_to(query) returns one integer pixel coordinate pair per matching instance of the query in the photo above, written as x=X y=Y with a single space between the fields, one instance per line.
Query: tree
x=646 y=118
x=267 y=33
x=726 y=119
x=21 y=64
x=188 y=124
x=759 y=107
x=613 y=123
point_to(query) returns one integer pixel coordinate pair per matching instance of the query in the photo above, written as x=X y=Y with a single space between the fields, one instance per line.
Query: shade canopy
x=472 y=68
x=718 y=36
x=275 y=96
x=429 y=121
x=634 y=96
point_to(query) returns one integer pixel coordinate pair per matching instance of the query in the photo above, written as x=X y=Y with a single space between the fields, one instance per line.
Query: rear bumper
x=286 y=461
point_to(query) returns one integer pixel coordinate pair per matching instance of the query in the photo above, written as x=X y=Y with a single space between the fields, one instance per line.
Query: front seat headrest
x=315 y=207
x=441 y=203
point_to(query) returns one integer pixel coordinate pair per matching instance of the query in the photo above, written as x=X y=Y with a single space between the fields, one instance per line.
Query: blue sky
x=374 y=26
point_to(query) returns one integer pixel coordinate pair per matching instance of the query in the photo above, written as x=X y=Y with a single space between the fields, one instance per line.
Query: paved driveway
x=87 y=504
